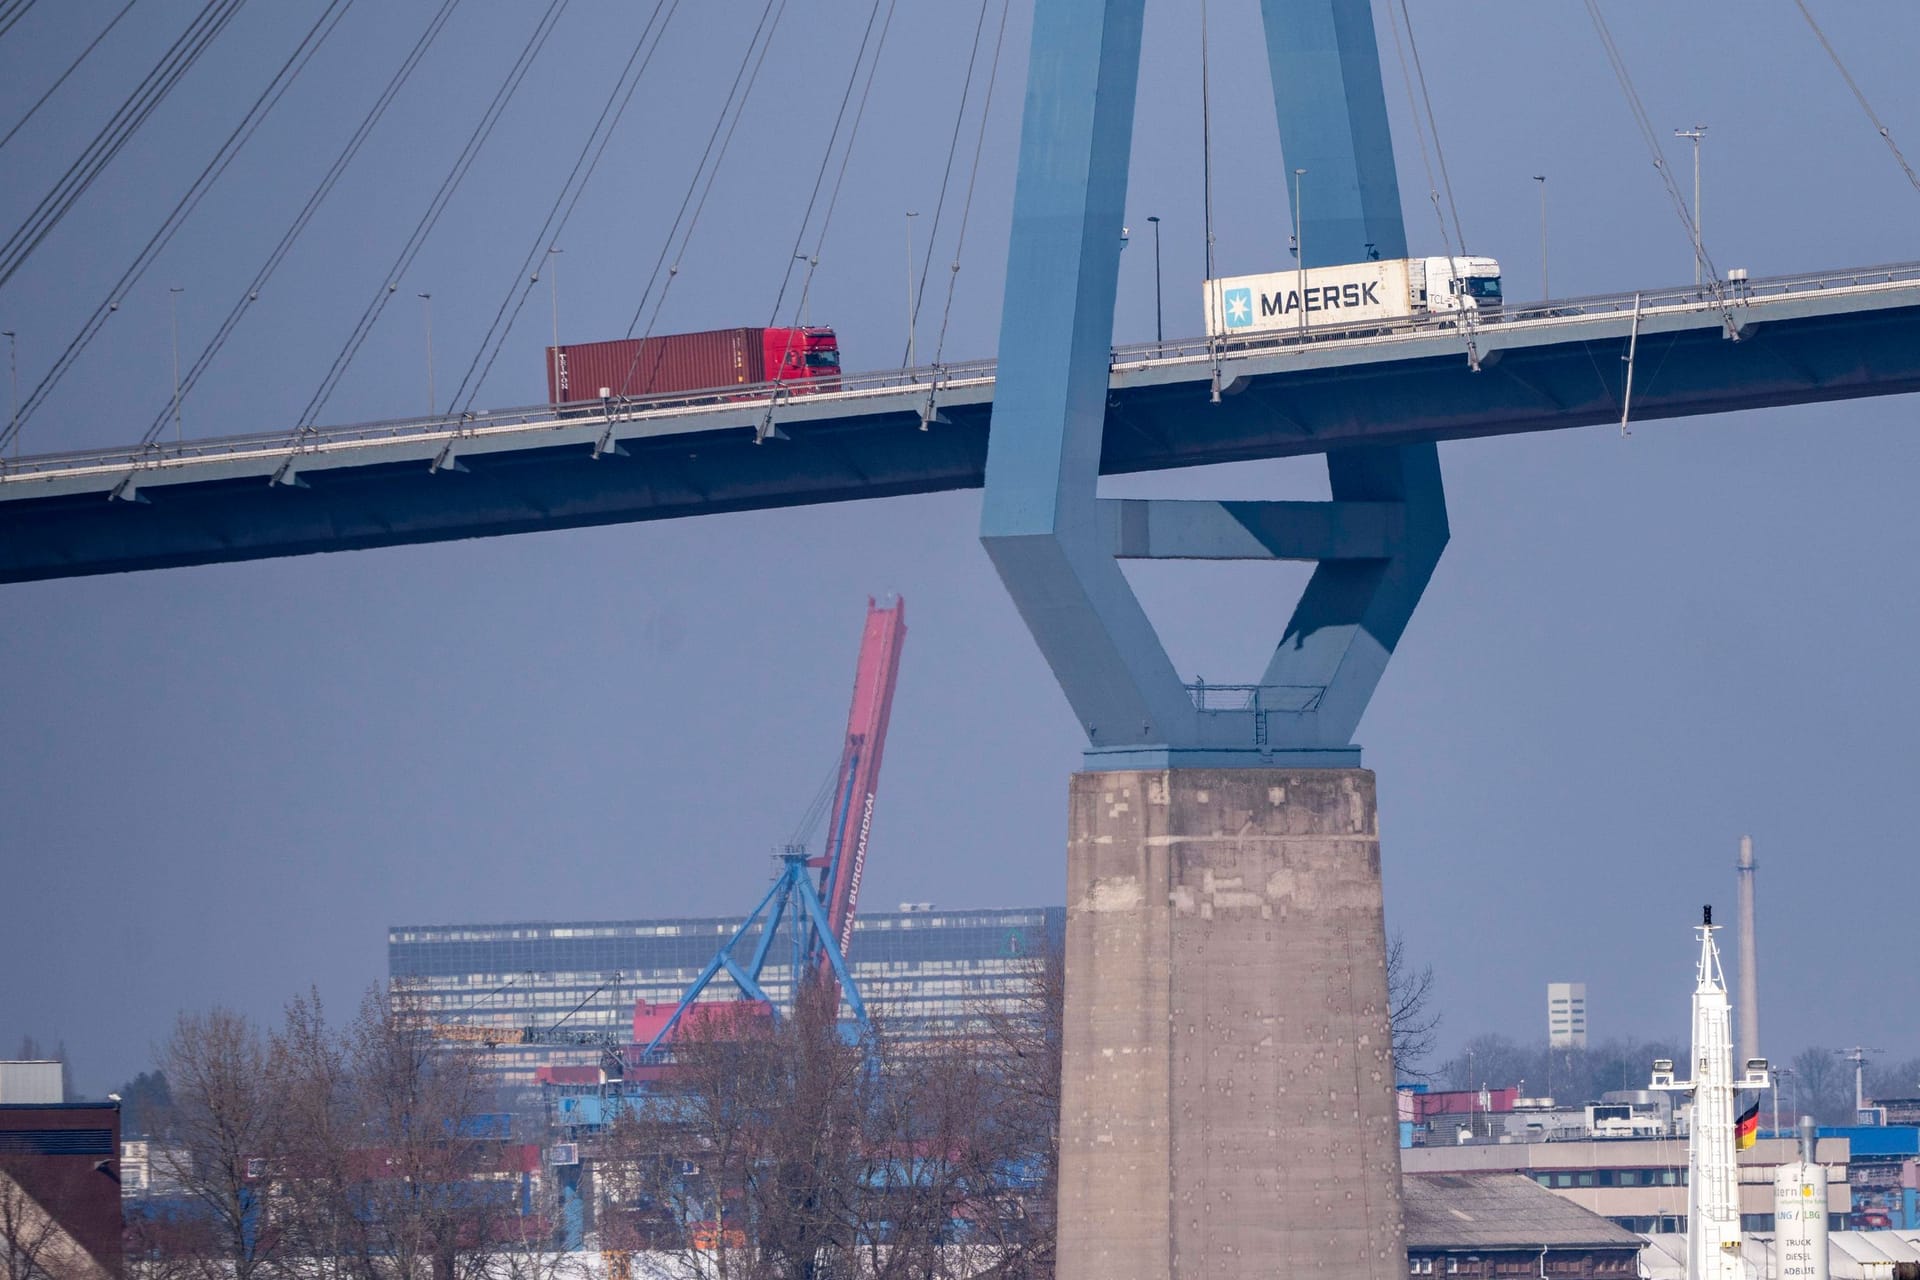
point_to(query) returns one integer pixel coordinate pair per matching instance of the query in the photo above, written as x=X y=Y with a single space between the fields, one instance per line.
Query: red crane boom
x=850 y=818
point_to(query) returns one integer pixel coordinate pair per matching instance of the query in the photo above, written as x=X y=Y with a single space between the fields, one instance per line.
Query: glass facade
x=922 y=972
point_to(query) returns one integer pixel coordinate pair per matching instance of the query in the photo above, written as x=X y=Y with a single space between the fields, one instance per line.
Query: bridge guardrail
x=932 y=378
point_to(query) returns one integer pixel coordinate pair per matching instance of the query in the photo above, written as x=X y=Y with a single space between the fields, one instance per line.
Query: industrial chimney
x=1748 y=1023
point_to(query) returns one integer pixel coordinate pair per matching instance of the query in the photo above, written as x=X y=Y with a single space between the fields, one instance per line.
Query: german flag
x=1746 y=1130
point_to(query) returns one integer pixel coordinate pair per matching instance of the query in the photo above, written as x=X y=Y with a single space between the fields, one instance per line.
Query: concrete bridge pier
x=1227 y=1094
x=1227 y=1105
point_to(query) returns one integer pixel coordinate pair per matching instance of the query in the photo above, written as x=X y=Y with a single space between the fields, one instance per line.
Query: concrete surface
x=1227 y=1101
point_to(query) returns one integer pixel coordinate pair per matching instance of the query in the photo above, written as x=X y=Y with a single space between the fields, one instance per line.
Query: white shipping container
x=32 y=1082
x=1353 y=293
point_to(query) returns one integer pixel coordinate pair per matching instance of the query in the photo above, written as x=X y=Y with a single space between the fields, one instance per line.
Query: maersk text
x=1324 y=298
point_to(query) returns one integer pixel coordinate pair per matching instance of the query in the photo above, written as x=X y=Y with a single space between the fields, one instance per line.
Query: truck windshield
x=823 y=359
x=1483 y=286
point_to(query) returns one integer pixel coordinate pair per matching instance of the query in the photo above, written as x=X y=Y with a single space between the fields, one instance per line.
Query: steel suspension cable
x=819 y=177
x=106 y=144
x=973 y=177
x=846 y=153
x=1651 y=139
x=1715 y=288
x=41 y=101
x=1433 y=126
x=483 y=130
x=569 y=196
x=736 y=102
x=256 y=114
x=1427 y=163
x=11 y=12
x=321 y=191
x=946 y=178
x=1886 y=134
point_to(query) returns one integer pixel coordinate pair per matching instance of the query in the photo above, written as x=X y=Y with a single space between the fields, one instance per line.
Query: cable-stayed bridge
x=1791 y=340
x=1269 y=777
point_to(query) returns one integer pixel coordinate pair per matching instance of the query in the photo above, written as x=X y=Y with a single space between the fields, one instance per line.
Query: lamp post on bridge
x=173 y=308
x=911 y=357
x=1159 y=331
x=553 y=281
x=806 y=283
x=1545 y=291
x=1696 y=133
x=13 y=382
x=1299 y=254
x=426 y=303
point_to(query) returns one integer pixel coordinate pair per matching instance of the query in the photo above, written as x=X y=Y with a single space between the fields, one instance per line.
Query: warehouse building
x=1479 y=1225
x=1637 y=1184
x=924 y=973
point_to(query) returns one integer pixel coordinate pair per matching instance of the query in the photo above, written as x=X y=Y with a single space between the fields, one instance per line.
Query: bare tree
x=423 y=1111
x=1416 y=1022
x=1491 y=1060
x=790 y=1154
x=746 y=1167
x=30 y=1238
x=312 y=1164
x=536 y=1254
x=1893 y=1079
x=1823 y=1086
x=385 y=1150
x=214 y=1135
x=1021 y=1051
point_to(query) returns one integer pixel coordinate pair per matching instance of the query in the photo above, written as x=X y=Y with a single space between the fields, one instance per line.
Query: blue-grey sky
x=222 y=784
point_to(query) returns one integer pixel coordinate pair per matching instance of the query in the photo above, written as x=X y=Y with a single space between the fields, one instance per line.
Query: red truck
x=712 y=360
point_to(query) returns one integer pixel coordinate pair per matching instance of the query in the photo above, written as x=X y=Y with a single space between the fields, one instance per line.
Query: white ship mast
x=1713 y=1172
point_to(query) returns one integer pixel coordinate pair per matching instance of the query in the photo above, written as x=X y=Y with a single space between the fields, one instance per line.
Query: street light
x=1300 y=254
x=1159 y=336
x=1545 y=293
x=806 y=283
x=911 y=215
x=13 y=380
x=426 y=301
x=1696 y=133
x=553 y=270
x=173 y=306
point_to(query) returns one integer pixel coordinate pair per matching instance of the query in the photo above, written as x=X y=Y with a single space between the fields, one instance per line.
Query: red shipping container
x=711 y=360
x=569 y=1075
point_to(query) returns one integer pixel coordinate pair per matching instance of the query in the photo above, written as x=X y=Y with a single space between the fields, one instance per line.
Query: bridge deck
x=1802 y=339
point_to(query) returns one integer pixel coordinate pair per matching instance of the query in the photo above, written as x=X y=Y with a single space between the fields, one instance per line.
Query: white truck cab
x=1461 y=284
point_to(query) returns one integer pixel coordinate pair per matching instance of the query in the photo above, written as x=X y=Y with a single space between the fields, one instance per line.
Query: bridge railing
x=931 y=379
x=1697 y=297
x=296 y=441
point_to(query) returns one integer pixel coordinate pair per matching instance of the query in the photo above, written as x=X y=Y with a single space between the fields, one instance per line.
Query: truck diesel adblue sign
x=1354 y=293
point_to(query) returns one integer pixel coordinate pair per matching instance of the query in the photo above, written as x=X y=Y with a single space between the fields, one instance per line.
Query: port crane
x=814 y=899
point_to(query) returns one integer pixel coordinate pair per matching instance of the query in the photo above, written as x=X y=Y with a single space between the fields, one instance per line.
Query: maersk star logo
x=1239 y=305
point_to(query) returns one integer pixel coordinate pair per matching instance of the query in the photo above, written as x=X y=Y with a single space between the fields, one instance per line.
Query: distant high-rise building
x=1567 y=1015
x=924 y=973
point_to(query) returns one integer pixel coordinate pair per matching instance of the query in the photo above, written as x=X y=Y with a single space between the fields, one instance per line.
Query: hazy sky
x=222 y=784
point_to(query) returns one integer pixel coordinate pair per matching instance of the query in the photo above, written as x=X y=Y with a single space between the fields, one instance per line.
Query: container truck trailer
x=710 y=361
x=1354 y=293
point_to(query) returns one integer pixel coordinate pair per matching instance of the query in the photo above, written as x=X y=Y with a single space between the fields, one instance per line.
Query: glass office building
x=923 y=973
